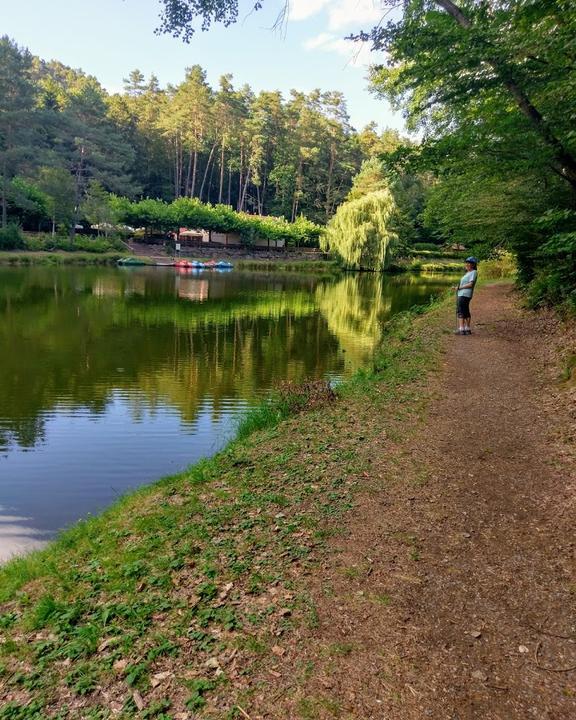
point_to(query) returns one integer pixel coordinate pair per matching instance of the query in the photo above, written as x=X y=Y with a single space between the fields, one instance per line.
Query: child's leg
x=460 y=313
x=467 y=319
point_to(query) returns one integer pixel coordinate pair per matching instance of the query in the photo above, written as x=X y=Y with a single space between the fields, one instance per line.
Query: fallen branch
x=572 y=668
x=540 y=629
x=550 y=634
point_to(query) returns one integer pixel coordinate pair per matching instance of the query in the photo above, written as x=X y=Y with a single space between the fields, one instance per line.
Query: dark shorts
x=463 y=307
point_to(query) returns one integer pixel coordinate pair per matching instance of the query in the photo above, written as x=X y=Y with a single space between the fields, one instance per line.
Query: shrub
x=305 y=396
x=290 y=399
x=11 y=237
x=80 y=243
x=554 y=261
x=427 y=246
x=502 y=265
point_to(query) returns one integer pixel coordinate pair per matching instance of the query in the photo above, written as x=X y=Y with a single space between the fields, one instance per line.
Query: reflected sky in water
x=112 y=378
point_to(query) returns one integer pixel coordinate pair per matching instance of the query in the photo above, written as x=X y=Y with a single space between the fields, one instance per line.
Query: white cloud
x=342 y=14
x=303 y=9
x=320 y=41
x=357 y=54
x=354 y=13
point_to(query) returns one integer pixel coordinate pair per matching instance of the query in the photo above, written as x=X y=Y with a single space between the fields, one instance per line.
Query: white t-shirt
x=469 y=277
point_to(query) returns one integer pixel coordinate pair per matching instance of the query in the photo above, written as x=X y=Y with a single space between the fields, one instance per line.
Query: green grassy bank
x=174 y=598
x=58 y=258
x=27 y=257
x=501 y=266
x=329 y=267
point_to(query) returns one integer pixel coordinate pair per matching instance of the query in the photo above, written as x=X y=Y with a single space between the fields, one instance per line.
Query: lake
x=113 y=377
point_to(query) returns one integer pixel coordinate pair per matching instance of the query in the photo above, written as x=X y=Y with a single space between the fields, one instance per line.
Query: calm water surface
x=111 y=378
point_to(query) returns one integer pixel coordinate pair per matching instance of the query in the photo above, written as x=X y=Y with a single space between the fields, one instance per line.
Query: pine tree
x=18 y=120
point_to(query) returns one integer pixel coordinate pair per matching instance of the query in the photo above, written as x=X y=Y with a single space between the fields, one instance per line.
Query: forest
x=490 y=88
x=486 y=88
x=65 y=144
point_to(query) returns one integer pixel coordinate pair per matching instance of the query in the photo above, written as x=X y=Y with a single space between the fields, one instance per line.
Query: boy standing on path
x=465 y=290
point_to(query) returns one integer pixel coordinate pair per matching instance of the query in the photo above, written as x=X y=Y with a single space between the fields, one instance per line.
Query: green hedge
x=427 y=246
x=186 y=212
x=81 y=243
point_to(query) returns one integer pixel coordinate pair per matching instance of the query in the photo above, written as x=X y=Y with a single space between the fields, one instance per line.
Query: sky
x=109 y=38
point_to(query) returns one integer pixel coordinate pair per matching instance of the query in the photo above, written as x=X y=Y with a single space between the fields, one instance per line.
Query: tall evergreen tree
x=18 y=119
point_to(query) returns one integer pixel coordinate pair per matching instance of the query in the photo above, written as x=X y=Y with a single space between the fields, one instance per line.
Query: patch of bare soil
x=451 y=591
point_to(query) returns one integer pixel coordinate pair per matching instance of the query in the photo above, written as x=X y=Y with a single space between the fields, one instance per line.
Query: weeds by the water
x=329 y=267
x=502 y=266
x=288 y=399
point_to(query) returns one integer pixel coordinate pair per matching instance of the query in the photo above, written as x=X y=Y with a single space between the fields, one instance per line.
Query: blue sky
x=108 y=38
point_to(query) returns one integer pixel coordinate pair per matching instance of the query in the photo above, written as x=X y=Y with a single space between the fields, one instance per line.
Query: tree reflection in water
x=77 y=336
x=114 y=378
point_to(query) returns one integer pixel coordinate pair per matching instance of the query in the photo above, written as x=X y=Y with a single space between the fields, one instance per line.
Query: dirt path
x=452 y=594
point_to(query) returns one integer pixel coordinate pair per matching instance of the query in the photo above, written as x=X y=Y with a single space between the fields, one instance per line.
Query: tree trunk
x=263 y=198
x=77 y=194
x=5 y=180
x=221 y=175
x=229 y=186
x=177 y=168
x=194 y=169
x=244 y=190
x=329 y=186
x=175 y=175
x=563 y=162
x=4 y=200
x=295 y=198
x=206 y=170
x=240 y=178
x=209 y=193
x=188 y=174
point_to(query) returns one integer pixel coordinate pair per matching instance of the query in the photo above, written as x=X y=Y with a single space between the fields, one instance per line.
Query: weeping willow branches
x=360 y=234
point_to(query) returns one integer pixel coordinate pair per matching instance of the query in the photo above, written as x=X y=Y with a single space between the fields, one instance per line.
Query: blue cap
x=472 y=260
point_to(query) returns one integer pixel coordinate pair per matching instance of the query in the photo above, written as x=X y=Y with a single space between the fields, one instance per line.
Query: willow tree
x=360 y=234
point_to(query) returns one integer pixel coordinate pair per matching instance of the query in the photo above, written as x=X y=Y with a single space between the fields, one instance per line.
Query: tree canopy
x=264 y=154
x=361 y=234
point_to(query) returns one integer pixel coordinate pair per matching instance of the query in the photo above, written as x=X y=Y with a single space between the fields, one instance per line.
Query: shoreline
x=285 y=262
x=258 y=502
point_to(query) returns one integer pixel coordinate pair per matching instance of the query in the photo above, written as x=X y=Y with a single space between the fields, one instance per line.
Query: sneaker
x=459 y=332
x=467 y=332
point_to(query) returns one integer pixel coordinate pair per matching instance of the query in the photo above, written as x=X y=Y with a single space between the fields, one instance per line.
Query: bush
x=48 y=243
x=427 y=246
x=502 y=265
x=554 y=261
x=438 y=253
x=290 y=399
x=11 y=237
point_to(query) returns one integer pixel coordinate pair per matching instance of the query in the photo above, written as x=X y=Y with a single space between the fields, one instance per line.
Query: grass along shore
x=174 y=598
x=111 y=258
x=328 y=267
x=501 y=267
x=61 y=257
